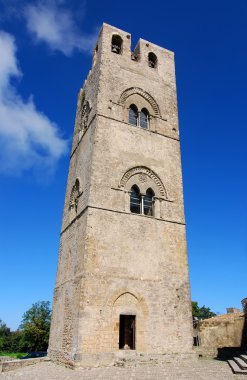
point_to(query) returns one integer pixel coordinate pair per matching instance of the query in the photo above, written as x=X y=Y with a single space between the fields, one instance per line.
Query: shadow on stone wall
x=244 y=335
x=225 y=353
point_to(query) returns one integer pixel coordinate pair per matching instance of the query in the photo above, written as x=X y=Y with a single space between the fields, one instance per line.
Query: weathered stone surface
x=201 y=369
x=6 y=358
x=225 y=330
x=11 y=365
x=113 y=262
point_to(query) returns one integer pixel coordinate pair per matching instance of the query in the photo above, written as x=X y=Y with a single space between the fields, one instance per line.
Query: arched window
x=148 y=202
x=116 y=44
x=135 y=200
x=152 y=60
x=141 y=204
x=144 y=118
x=77 y=186
x=133 y=115
x=140 y=119
x=75 y=193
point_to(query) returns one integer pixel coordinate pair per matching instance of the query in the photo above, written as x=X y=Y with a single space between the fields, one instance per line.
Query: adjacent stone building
x=122 y=281
x=226 y=330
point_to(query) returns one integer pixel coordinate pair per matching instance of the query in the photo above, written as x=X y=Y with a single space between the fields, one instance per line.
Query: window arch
x=141 y=204
x=135 y=200
x=140 y=119
x=133 y=115
x=137 y=92
x=148 y=202
x=144 y=118
x=152 y=60
x=143 y=175
x=74 y=195
x=116 y=44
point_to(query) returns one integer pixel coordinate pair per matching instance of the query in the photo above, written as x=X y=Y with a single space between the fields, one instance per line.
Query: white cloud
x=28 y=139
x=49 y=22
x=8 y=64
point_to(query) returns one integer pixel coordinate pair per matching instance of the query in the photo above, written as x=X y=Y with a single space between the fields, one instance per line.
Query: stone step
x=244 y=358
x=236 y=369
x=241 y=363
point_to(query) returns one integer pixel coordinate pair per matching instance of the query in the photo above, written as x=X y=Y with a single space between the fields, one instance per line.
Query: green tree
x=35 y=327
x=16 y=342
x=4 y=336
x=4 y=330
x=201 y=312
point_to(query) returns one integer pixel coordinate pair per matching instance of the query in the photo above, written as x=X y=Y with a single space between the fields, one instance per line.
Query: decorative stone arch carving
x=83 y=111
x=74 y=195
x=136 y=90
x=126 y=296
x=143 y=171
x=111 y=301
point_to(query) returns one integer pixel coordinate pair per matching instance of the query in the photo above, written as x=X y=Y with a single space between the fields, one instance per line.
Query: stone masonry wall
x=222 y=331
x=112 y=261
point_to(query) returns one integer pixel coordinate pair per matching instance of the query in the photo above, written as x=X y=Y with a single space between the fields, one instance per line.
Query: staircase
x=239 y=364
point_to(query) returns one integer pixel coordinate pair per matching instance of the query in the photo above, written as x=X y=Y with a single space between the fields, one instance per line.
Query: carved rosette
x=142 y=178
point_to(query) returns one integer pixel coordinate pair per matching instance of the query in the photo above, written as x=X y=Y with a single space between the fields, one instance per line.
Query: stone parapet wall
x=15 y=364
x=6 y=359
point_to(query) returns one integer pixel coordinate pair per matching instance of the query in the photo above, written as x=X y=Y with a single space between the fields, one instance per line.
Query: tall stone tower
x=122 y=283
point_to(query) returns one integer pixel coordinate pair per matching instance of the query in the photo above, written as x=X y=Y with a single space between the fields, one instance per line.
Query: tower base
x=123 y=358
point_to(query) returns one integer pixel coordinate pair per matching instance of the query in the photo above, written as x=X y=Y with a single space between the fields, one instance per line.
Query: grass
x=16 y=355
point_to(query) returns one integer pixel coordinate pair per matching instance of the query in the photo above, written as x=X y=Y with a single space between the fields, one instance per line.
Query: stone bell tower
x=122 y=283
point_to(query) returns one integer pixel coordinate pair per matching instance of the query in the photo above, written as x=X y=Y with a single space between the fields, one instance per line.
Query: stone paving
x=202 y=370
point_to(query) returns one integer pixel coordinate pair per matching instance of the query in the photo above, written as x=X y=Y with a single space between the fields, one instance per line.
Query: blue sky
x=45 y=54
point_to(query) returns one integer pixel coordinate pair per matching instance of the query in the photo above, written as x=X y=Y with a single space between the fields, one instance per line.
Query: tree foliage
x=4 y=330
x=35 y=327
x=33 y=333
x=4 y=336
x=201 y=312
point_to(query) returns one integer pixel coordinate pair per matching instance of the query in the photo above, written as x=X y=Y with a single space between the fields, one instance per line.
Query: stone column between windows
x=138 y=118
x=142 y=203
